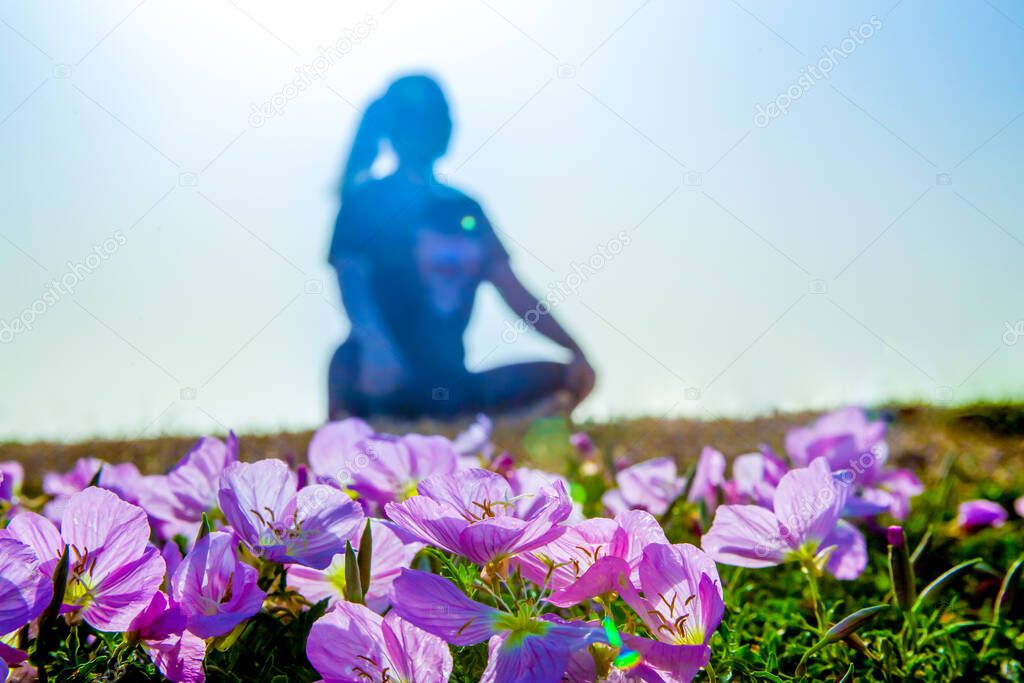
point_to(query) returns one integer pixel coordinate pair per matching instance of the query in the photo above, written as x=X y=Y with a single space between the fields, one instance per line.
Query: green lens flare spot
x=578 y=493
x=468 y=223
x=611 y=633
x=628 y=659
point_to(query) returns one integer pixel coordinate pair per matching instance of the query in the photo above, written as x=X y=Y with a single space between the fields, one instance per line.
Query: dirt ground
x=987 y=440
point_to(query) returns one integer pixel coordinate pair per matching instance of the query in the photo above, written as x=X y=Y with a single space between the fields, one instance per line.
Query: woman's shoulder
x=452 y=196
x=370 y=189
x=386 y=195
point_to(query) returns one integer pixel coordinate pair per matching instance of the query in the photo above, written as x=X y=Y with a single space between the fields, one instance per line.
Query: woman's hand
x=381 y=369
x=580 y=377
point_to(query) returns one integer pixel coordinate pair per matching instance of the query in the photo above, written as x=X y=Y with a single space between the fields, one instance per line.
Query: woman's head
x=418 y=120
x=413 y=117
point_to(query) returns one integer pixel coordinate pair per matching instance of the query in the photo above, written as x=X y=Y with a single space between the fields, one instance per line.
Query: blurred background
x=739 y=206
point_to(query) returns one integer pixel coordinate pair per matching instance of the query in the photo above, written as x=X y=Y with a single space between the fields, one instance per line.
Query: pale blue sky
x=865 y=245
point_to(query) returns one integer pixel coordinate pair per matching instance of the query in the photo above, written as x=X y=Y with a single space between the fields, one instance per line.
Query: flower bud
x=302 y=475
x=353 y=582
x=583 y=445
x=848 y=626
x=901 y=572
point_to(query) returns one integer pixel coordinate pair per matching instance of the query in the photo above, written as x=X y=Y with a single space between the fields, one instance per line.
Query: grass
x=989 y=435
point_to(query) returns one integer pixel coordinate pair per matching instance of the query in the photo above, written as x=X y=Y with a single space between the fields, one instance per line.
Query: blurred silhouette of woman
x=410 y=253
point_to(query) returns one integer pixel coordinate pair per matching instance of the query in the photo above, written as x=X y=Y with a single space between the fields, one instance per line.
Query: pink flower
x=707 y=479
x=385 y=469
x=124 y=480
x=560 y=563
x=523 y=647
x=473 y=514
x=583 y=445
x=473 y=444
x=652 y=485
x=844 y=431
x=351 y=644
x=755 y=477
x=25 y=591
x=333 y=446
x=855 y=444
x=178 y=499
x=676 y=592
x=978 y=514
x=379 y=467
x=215 y=589
x=176 y=652
x=113 y=570
x=805 y=520
x=282 y=523
x=12 y=474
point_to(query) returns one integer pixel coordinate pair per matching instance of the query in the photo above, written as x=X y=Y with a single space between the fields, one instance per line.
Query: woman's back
x=428 y=247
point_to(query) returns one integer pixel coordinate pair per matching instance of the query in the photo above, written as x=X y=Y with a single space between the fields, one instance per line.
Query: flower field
x=857 y=545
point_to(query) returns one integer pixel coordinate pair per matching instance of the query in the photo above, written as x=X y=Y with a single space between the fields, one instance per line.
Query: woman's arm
x=580 y=375
x=521 y=301
x=381 y=367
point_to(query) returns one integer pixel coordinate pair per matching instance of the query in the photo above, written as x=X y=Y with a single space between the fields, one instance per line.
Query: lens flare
x=626 y=659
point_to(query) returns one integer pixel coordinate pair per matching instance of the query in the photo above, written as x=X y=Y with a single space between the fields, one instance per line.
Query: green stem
x=912 y=628
x=811 y=572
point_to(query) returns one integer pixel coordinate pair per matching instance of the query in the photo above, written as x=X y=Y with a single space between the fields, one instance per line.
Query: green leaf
x=204 y=528
x=60 y=582
x=935 y=587
x=921 y=546
x=1008 y=589
x=95 y=481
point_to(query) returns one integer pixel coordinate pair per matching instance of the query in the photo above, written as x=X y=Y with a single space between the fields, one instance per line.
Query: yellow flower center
x=335 y=574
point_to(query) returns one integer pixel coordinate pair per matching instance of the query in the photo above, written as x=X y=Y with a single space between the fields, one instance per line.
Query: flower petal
x=179 y=658
x=808 y=502
x=466 y=491
x=418 y=656
x=251 y=492
x=430 y=521
x=745 y=536
x=608 y=574
x=680 y=662
x=112 y=530
x=679 y=575
x=709 y=475
x=850 y=556
x=333 y=449
x=24 y=590
x=492 y=539
x=41 y=535
x=435 y=605
x=533 y=660
x=325 y=518
x=348 y=640
x=123 y=593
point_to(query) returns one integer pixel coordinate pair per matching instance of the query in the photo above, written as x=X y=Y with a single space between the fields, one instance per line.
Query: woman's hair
x=412 y=116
